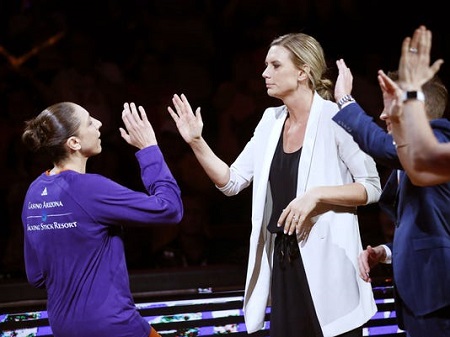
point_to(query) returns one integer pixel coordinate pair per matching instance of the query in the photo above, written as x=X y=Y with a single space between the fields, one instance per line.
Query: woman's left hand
x=297 y=216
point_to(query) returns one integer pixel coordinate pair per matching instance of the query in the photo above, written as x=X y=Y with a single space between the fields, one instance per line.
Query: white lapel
x=274 y=136
x=309 y=143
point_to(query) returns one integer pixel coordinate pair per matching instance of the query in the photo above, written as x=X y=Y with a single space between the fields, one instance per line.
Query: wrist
x=410 y=85
x=400 y=146
x=345 y=99
x=385 y=255
x=413 y=95
x=196 y=142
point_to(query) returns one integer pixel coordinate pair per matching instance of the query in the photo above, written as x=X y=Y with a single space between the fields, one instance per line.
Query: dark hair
x=49 y=131
x=436 y=95
x=307 y=51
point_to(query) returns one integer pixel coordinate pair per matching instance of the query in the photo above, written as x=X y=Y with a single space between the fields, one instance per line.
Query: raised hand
x=189 y=126
x=414 y=68
x=344 y=81
x=139 y=132
x=393 y=105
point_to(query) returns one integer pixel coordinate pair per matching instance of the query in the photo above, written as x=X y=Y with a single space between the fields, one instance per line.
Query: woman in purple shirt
x=72 y=221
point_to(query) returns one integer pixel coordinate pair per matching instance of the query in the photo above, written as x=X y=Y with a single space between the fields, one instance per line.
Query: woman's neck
x=58 y=168
x=299 y=105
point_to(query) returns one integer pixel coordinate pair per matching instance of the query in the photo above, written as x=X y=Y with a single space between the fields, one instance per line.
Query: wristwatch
x=344 y=99
x=407 y=95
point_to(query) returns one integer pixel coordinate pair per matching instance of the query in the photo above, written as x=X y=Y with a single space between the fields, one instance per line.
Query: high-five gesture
x=414 y=69
x=189 y=125
x=139 y=132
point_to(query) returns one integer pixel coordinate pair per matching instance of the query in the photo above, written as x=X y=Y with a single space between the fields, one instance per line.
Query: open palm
x=189 y=125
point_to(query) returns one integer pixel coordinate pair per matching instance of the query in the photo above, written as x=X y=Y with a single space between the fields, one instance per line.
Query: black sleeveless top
x=283 y=182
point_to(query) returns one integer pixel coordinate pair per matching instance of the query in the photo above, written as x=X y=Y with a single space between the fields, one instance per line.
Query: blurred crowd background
x=101 y=54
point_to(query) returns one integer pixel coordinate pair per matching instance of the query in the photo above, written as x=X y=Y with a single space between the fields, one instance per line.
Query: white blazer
x=343 y=301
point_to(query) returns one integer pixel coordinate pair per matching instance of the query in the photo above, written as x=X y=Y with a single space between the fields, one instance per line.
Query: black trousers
x=358 y=332
x=292 y=310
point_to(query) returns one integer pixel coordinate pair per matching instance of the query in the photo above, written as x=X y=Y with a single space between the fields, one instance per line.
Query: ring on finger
x=413 y=50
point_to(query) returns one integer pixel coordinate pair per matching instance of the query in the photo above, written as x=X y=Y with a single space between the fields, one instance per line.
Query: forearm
x=426 y=152
x=425 y=160
x=350 y=195
x=216 y=169
x=413 y=132
x=406 y=134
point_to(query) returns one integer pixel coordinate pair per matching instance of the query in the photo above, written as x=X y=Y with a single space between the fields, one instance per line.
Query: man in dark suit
x=420 y=251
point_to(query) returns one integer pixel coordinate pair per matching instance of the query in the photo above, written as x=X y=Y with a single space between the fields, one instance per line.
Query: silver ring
x=413 y=50
x=295 y=218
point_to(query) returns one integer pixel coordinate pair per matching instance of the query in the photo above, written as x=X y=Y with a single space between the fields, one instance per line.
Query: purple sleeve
x=33 y=269
x=111 y=203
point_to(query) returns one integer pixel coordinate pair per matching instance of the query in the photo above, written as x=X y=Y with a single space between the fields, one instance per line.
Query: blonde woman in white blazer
x=308 y=178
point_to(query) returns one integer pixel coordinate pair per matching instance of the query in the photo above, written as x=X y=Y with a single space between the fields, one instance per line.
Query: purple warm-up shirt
x=73 y=247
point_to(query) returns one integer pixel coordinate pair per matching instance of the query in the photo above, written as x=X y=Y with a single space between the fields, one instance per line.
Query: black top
x=283 y=182
x=292 y=309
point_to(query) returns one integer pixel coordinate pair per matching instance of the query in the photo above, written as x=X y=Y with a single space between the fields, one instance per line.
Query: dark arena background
x=187 y=279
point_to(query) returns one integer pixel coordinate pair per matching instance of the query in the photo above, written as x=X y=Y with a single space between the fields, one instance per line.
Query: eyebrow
x=88 y=119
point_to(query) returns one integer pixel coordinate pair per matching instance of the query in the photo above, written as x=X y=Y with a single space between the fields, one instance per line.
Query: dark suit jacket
x=421 y=246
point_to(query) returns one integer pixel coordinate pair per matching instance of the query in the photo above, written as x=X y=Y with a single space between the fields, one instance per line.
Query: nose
x=264 y=73
x=384 y=116
x=98 y=124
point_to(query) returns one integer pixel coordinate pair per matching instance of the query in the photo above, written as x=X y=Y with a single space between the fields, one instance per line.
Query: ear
x=74 y=143
x=303 y=73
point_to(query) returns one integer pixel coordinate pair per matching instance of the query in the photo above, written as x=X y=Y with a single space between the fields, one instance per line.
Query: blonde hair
x=306 y=52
